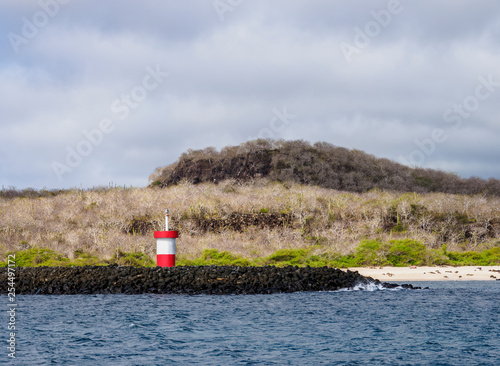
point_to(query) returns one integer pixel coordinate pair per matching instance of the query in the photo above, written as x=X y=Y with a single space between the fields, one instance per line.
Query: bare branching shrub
x=321 y=164
x=253 y=218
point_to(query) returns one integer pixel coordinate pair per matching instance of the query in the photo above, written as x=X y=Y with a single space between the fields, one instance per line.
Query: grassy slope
x=252 y=224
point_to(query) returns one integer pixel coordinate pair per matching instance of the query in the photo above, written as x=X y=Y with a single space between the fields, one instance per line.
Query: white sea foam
x=370 y=286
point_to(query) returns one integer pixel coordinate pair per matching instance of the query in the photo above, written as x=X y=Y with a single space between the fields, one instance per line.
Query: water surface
x=452 y=323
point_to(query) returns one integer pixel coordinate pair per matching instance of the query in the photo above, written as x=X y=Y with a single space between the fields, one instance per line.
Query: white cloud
x=227 y=77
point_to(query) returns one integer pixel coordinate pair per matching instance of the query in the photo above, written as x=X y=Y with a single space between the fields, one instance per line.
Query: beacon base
x=165 y=260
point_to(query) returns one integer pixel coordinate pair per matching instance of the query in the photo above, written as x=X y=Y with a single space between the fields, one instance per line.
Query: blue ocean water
x=452 y=323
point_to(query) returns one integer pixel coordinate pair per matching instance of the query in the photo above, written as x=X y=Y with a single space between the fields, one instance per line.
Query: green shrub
x=369 y=252
x=136 y=259
x=287 y=257
x=343 y=261
x=406 y=252
x=38 y=257
x=436 y=257
x=491 y=256
x=488 y=257
x=317 y=261
x=214 y=257
x=85 y=259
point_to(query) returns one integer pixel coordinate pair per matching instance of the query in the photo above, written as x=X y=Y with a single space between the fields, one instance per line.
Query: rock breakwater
x=115 y=279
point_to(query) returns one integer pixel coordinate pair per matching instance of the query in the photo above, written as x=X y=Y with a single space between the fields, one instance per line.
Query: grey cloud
x=227 y=77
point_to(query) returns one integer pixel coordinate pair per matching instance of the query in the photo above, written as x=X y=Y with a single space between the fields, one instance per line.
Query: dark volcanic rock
x=181 y=280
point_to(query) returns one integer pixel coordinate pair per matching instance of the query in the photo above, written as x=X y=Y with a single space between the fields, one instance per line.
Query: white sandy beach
x=441 y=273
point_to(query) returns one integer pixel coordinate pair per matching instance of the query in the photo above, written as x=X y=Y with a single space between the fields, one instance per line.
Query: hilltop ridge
x=321 y=164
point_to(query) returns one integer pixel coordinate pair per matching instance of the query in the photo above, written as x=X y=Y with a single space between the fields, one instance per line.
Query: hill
x=321 y=164
x=252 y=223
x=263 y=202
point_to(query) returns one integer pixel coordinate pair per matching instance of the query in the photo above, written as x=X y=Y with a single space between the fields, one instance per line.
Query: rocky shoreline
x=218 y=280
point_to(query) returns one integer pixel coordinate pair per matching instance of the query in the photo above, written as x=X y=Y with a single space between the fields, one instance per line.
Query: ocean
x=451 y=323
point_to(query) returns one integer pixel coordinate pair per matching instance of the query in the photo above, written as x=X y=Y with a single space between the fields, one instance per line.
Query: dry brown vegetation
x=321 y=164
x=252 y=219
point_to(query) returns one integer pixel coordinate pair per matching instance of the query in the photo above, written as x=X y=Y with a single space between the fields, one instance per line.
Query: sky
x=97 y=93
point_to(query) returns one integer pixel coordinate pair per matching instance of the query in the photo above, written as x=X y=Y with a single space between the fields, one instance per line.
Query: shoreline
x=210 y=280
x=436 y=273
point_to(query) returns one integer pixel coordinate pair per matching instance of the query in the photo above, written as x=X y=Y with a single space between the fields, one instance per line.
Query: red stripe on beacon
x=165 y=245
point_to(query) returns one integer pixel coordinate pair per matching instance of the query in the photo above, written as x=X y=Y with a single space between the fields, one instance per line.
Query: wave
x=370 y=286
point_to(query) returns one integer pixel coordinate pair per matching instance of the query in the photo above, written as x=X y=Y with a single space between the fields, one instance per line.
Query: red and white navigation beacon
x=165 y=245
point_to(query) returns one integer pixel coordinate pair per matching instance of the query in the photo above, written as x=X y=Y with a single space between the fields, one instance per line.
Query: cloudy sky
x=93 y=92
